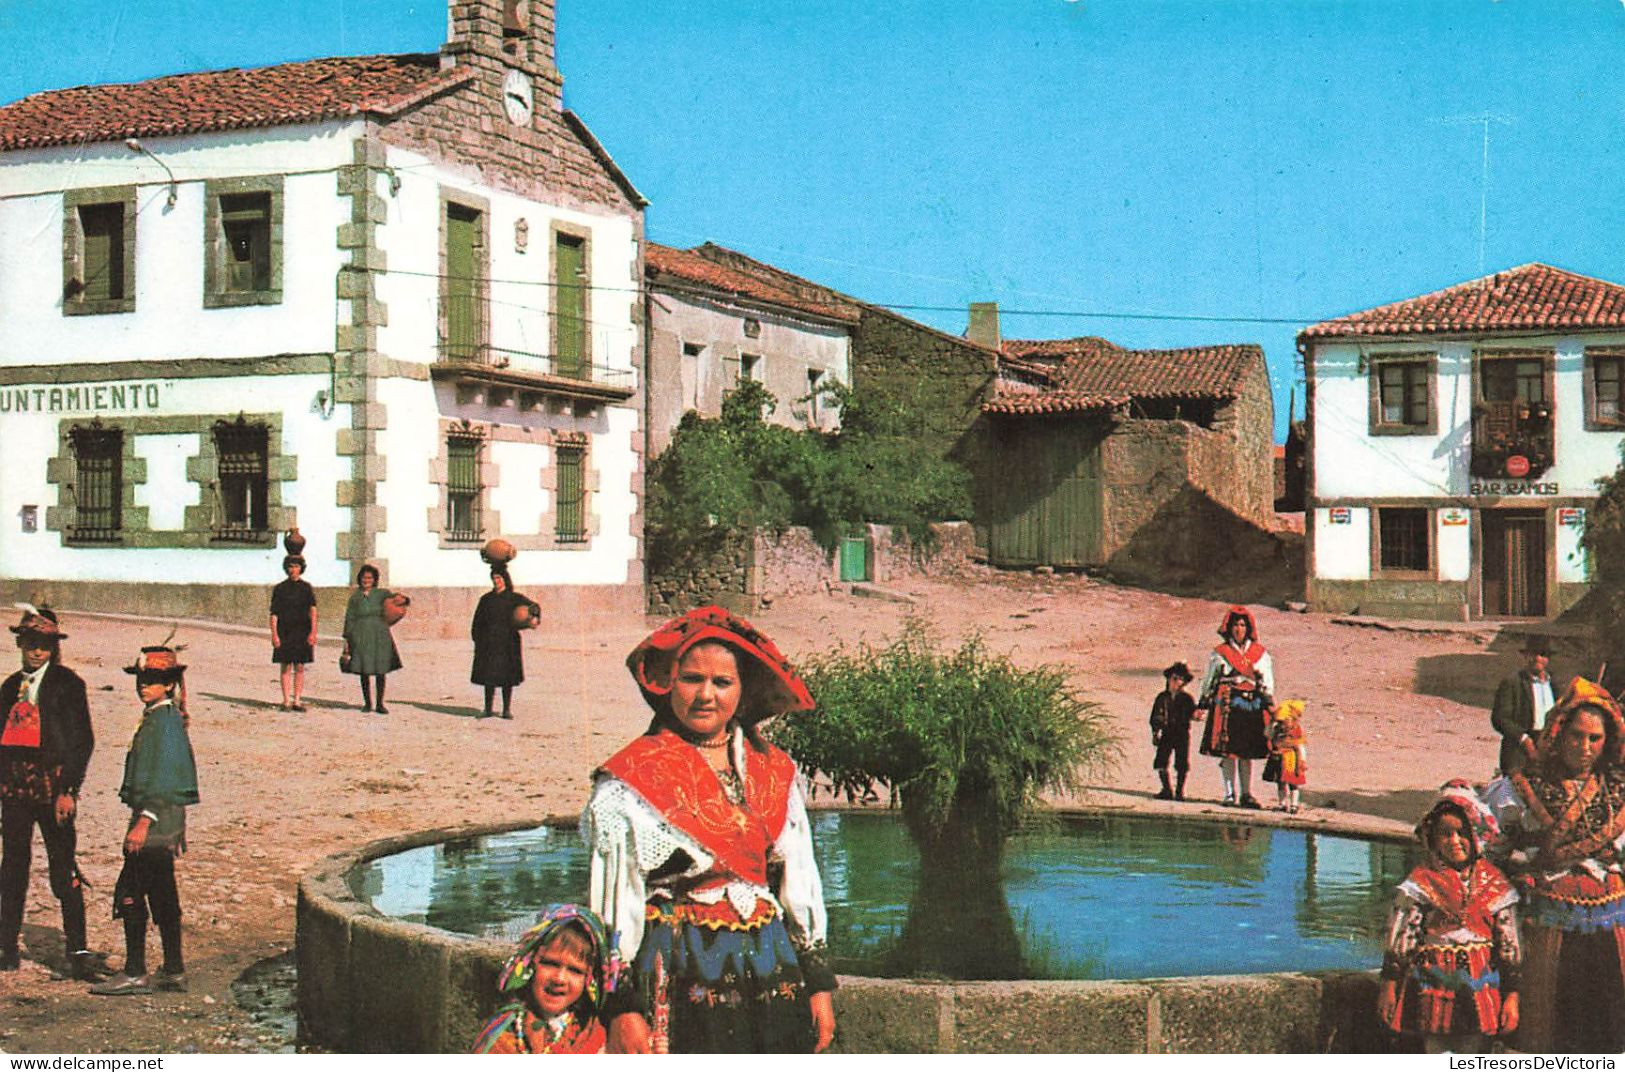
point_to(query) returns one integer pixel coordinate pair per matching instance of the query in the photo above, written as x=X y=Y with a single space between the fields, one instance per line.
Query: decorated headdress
x=1289 y=711
x=520 y=968
x=160 y=660
x=1582 y=693
x=1245 y=615
x=38 y=621
x=1459 y=795
x=653 y=661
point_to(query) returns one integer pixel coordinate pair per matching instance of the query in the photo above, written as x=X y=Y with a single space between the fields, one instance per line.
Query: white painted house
x=1455 y=443
x=392 y=300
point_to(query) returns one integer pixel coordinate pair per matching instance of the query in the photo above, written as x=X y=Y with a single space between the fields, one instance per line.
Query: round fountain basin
x=1090 y=897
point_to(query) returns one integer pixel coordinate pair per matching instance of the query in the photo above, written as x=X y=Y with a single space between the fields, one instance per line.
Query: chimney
x=984 y=325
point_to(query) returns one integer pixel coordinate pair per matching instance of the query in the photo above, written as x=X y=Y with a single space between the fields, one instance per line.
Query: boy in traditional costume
x=1236 y=697
x=45 y=746
x=1288 y=765
x=160 y=781
x=555 y=983
x=1171 y=714
x=1450 y=973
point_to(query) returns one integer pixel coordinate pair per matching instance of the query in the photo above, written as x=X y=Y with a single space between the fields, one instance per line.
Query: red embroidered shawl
x=1245 y=662
x=674 y=778
x=1447 y=893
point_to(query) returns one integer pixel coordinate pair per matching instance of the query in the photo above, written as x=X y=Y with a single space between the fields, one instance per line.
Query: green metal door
x=1043 y=494
x=854 y=558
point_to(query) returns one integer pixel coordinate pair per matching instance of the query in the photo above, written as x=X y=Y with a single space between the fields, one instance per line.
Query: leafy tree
x=966 y=742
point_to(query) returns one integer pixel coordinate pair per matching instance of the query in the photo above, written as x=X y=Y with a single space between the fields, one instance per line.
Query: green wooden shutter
x=570 y=262
x=461 y=291
x=102 y=231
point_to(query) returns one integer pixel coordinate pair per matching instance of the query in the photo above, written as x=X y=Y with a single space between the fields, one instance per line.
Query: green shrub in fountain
x=966 y=742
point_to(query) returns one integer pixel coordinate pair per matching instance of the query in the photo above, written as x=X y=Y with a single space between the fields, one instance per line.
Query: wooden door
x=1044 y=495
x=1514 y=564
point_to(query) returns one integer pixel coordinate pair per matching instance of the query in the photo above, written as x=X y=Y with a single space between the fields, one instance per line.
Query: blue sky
x=1224 y=171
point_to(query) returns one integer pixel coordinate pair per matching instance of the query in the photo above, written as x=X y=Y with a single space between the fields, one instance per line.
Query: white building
x=392 y=300
x=712 y=325
x=1455 y=442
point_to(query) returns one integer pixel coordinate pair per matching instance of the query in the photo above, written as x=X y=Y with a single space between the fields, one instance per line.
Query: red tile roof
x=1532 y=296
x=225 y=100
x=1088 y=373
x=677 y=268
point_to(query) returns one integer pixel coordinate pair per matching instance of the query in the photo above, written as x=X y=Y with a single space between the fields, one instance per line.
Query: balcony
x=530 y=375
x=1511 y=440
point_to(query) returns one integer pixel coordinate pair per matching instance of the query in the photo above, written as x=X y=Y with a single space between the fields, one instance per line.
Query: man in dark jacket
x=1521 y=703
x=45 y=745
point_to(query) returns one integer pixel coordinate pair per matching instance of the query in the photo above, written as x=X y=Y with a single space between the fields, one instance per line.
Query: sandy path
x=1391 y=716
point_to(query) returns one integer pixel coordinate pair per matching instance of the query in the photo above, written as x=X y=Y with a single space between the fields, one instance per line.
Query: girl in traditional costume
x=685 y=825
x=160 y=781
x=1450 y=973
x=1563 y=821
x=1236 y=699
x=554 y=984
x=1288 y=765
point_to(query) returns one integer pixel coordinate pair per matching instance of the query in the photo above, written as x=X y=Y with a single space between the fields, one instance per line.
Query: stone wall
x=715 y=572
x=938 y=379
x=789 y=563
x=893 y=556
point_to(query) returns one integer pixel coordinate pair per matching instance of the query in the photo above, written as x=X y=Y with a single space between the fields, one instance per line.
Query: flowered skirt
x=1449 y=990
x=720 y=984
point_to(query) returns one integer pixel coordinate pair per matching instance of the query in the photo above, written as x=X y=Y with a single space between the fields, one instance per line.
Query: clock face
x=516 y=98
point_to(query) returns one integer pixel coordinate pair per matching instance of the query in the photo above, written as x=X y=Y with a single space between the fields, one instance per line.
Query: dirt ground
x=1392 y=714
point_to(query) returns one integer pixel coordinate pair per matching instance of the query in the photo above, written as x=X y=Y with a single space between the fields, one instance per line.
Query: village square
x=378 y=474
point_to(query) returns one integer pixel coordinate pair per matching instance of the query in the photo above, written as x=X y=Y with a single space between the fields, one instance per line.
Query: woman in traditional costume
x=683 y=825
x=499 y=661
x=1563 y=826
x=1450 y=972
x=1236 y=699
x=367 y=639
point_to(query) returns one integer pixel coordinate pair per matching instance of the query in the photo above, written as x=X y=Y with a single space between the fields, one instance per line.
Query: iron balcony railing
x=467 y=325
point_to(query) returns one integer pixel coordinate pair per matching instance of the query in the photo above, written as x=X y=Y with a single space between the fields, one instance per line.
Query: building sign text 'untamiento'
x=120 y=398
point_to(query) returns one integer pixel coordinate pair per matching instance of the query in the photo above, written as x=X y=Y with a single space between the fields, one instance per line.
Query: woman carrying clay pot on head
x=499 y=661
x=369 y=649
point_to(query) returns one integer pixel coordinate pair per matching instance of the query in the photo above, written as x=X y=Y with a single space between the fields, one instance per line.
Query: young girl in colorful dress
x=1450 y=974
x=1288 y=765
x=554 y=985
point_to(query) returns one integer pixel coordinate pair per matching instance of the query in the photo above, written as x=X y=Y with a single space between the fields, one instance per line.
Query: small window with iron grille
x=1403 y=538
x=571 y=526
x=243 y=450
x=98 y=487
x=463 y=486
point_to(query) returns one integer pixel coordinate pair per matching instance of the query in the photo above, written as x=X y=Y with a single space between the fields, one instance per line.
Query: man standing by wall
x=1521 y=703
x=45 y=745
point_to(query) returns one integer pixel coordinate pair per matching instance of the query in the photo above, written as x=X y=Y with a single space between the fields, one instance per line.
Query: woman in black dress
x=499 y=663
x=293 y=631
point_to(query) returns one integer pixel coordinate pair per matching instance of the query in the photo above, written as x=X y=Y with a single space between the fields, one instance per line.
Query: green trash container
x=854 y=558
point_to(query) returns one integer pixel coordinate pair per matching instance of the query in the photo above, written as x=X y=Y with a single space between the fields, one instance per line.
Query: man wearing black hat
x=1521 y=703
x=45 y=745
x=1171 y=715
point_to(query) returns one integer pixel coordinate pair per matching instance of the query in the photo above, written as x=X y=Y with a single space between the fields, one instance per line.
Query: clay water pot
x=527 y=615
x=292 y=542
x=498 y=552
x=395 y=607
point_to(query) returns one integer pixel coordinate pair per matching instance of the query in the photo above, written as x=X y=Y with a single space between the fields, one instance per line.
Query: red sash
x=674 y=778
x=1244 y=663
x=1448 y=894
x=22 y=726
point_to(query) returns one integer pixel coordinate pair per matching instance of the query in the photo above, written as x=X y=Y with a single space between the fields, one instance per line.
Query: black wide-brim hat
x=1537 y=645
x=1179 y=670
x=157 y=661
x=40 y=622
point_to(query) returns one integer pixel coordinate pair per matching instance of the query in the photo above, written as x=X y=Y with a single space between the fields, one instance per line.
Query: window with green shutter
x=98 y=247
x=462 y=290
x=463 y=487
x=571 y=525
x=103 y=259
x=570 y=354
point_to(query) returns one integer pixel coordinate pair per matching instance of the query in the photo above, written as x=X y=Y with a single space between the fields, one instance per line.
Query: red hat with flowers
x=653 y=661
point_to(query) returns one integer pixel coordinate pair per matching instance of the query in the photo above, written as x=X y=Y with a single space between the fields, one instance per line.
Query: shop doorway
x=1514 y=564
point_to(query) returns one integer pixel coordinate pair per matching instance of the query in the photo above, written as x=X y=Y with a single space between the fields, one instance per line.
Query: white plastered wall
x=1343 y=551
x=169 y=321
